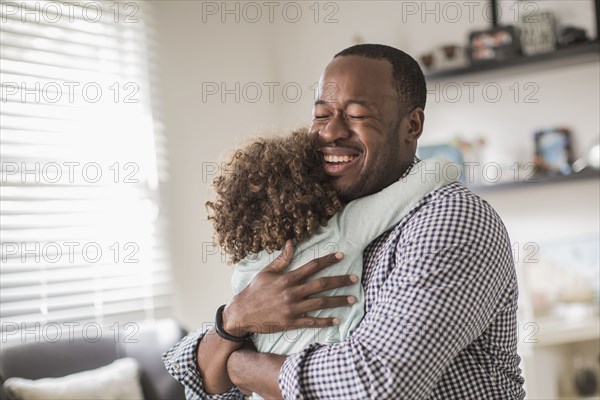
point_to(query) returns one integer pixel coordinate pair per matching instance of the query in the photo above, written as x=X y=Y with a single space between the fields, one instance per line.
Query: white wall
x=193 y=51
x=191 y=54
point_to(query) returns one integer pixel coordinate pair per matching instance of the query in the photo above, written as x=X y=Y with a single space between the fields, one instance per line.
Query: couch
x=66 y=356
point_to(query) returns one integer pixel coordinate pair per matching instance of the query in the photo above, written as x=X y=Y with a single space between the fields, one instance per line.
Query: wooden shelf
x=586 y=174
x=574 y=54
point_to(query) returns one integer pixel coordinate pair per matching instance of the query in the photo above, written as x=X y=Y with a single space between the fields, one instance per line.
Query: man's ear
x=414 y=121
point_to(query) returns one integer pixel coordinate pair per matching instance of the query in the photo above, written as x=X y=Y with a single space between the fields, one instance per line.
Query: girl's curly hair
x=272 y=190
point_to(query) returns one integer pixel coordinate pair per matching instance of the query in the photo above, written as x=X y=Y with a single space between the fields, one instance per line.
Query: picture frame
x=538 y=34
x=553 y=151
x=447 y=151
x=494 y=44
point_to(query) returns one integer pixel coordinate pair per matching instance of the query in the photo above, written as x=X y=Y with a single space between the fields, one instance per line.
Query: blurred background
x=117 y=115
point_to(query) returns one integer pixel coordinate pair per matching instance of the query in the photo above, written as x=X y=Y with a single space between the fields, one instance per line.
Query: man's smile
x=337 y=160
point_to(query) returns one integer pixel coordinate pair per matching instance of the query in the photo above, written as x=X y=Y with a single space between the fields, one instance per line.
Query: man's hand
x=277 y=301
x=274 y=301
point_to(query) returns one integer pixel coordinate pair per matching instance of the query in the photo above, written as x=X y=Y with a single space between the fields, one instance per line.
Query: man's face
x=363 y=136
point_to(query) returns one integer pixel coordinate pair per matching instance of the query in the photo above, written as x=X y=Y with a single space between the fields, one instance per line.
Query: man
x=440 y=287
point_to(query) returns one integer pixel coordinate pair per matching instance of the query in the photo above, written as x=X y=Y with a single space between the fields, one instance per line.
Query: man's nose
x=336 y=128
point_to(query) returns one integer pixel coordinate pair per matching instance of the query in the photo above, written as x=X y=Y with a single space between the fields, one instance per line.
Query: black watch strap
x=221 y=332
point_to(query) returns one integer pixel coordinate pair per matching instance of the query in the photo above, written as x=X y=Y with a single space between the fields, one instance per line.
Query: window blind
x=82 y=162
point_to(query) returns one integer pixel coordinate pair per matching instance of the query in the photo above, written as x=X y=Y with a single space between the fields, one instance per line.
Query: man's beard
x=363 y=186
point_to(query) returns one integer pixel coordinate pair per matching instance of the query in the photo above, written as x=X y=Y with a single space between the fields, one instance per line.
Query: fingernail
x=336 y=321
x=354 y=278
x=351 y=299
x=339 y=255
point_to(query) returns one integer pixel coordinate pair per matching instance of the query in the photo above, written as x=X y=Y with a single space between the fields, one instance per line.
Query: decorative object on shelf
x=586 y=378
x=451 y=56
x=570 y=35
x=468 y=148
x=427 y=60
x=593 y=157
x=449 y=51
x=538 y=33
x=357 y=39
x=446 y=151
x=471 y=151
x=589 y=160
x=445 y=57
x=553 y=154
x=495 y=44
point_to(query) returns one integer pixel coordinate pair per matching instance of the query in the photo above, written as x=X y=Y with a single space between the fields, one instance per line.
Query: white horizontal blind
x=82 y=158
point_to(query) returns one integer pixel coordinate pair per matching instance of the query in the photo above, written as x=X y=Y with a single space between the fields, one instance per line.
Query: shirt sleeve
x=180 y=362
x=364 y=219
x=452 y=269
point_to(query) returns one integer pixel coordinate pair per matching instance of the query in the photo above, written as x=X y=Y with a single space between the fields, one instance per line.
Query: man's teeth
x=338 y=159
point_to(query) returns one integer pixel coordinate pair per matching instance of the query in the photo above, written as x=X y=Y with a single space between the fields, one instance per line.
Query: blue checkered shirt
x=440 y=316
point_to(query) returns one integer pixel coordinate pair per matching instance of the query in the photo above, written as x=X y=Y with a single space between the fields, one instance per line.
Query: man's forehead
x=368 y=83
x=352 y=66
x=356 y=76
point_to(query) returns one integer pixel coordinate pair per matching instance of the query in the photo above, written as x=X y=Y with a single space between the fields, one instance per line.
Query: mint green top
x=349 y=231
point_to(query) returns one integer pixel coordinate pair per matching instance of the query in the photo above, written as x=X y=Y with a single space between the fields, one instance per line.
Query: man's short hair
x=409 y=81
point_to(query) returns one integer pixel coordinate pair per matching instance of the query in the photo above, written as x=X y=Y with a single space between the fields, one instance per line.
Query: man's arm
x=211 y=358
x=274 y=301
x=451 y=274
x=256 y=372
x=180 y=362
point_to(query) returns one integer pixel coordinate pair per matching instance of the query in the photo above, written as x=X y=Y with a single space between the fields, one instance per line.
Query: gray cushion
x=64 y=357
